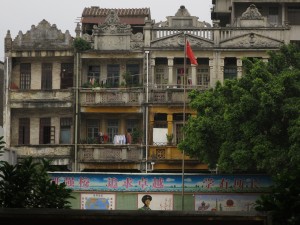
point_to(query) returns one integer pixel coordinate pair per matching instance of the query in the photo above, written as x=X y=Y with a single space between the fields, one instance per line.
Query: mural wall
x=202 y=192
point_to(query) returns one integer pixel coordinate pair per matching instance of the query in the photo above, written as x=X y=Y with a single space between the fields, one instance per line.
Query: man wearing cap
x=146 y=199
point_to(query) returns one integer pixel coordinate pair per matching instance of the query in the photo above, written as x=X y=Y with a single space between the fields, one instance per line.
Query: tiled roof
x=96 y=11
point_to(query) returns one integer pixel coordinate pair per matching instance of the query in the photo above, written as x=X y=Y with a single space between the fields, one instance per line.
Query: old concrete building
x=110 y=106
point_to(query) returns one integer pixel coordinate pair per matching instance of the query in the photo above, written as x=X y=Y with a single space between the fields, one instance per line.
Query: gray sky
x=19 y=15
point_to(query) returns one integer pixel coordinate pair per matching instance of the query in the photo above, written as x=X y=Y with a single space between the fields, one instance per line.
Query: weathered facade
x=77 y=106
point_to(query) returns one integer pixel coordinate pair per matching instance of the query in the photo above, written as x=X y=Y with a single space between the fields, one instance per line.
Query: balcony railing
x=119 y=96
x=216 y=35
x=40 y=98
x=57 y=154
x=110 y=153
x=103 y=96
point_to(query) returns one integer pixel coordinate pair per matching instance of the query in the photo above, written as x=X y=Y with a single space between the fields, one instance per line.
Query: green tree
x=284 y=200
x=252 y=123
x=81 y=44
x=28 y=185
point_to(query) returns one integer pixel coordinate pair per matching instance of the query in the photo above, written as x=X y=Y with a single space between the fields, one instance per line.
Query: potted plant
x=137 y=135
x=169 y=138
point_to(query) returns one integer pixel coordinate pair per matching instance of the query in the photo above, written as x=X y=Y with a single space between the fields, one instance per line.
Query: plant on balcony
x=129 y=80
x=137 y=135
x=92 y=140
x=126 y=76
x=81 y=44
x=91 y=84
x=169 y=138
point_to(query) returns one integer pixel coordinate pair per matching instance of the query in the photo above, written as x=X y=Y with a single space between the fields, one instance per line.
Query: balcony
x=110 y=153
x=111 y=96
x=222 y=37
x=58 y=154
x=135 y=97
x=41 y=99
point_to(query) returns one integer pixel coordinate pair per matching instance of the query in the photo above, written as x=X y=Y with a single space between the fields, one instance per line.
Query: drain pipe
x=76 y=114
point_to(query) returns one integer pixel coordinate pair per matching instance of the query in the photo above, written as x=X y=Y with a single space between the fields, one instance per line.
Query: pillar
x=239 y=64
x=170 y=72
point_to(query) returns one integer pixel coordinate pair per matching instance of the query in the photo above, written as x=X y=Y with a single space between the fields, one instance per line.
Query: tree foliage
x=251 y=123
x=28 y=185
x=284 y=200
x=81 y=44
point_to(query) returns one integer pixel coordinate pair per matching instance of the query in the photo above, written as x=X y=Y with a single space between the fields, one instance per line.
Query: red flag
x=190 y=54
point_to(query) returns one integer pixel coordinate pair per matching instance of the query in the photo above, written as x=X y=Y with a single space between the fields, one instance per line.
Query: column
x=221 y=70
x=194 y=75
x=170 y=123
x=239 y=64
x=150 y=128
x=283 y=14
x=170 y=67
x=152 y=72
x=212 y=76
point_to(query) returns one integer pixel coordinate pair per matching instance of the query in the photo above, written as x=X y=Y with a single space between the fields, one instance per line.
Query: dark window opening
x=113 y=75
x=47 y=132
x=24 y=131
x=161 y=61
x=160 y=120
x=93 y=75
x=65 y=130
x=133 y=74
x=46 y=76
x=67 y=74
x=25 y=76
x=294 y=15
x=230 y=68
x=179 y=116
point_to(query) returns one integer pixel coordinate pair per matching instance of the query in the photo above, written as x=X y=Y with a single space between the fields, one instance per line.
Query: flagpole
x=184 y=84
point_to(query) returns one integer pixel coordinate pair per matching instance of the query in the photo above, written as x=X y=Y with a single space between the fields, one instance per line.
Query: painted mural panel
x=159 y=201
x=163 y=182
x=225 y=202
x=98 y=201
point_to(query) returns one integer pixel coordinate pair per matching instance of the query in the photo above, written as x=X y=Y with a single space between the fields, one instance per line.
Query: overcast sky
x=16 y=15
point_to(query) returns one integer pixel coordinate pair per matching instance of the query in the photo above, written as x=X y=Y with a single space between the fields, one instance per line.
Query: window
x=230 y=72
x=273 y=15
x=178 y=125
x=93 y=74
x=160 y=120
x=203 y=76
x=66 y=75
x=25 y=76
x=131 y=123
x=65 y=130
x=230 y=68
x=113 y=75
x=294 y=15
x=178 y=132
x=181 y=75
x=133 y=71
x=92 y=130
x=112 y=129
x=24 y=131
x=160 y=77
x=46 y=76
x=47 y=132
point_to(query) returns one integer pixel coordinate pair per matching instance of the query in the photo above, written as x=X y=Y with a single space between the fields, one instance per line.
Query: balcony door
x=113 y=75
